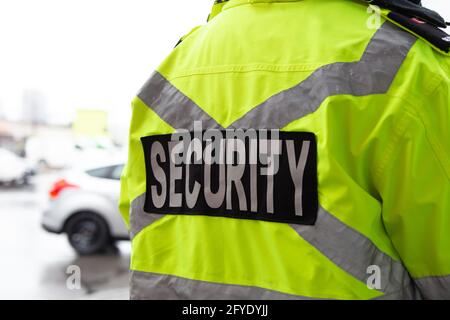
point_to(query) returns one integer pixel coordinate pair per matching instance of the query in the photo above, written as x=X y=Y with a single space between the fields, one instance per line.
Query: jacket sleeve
x=415 y=190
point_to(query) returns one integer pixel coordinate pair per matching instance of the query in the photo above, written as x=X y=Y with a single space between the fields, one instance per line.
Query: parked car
x=84 y=206
x=60 y=152
x=14 y=170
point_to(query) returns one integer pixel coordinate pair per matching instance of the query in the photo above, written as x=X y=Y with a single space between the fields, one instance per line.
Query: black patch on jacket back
x=294 y=198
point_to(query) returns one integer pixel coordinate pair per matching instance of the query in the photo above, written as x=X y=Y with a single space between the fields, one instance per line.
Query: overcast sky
x=92 y=53
x=87 y=53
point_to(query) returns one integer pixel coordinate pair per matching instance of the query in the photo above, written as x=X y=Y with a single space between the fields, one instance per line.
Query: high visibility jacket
x=375 y=97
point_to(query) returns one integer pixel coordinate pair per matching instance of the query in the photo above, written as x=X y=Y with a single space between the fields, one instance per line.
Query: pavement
x=35 y=264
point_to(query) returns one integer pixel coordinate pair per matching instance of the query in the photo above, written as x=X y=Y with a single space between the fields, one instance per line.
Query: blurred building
x=14 y=134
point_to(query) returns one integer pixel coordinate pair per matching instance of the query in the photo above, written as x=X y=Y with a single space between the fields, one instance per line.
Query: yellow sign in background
x=92 y=123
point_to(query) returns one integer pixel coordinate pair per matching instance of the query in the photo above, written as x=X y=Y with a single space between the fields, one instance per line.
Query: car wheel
x=88 y=233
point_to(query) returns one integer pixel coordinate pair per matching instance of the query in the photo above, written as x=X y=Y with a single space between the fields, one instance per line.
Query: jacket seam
x=433 y=85
x=409 y=113
x=245 y=68
x=438 y=150
x=441 y=155
x=399 y=131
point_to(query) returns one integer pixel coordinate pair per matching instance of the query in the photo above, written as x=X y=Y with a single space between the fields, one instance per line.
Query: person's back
x=375 y=99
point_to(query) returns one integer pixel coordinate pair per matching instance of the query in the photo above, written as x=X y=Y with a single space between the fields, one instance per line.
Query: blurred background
x=68 y=71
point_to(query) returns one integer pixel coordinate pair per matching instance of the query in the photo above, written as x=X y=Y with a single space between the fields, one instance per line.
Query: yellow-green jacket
x=376 y=98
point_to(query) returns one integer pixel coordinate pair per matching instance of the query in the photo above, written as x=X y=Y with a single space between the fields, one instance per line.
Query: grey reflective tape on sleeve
x=436 y=288
x=354 y=253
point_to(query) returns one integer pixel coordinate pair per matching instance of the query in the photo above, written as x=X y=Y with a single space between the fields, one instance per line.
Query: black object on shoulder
x=433 y=35
x=411 y=8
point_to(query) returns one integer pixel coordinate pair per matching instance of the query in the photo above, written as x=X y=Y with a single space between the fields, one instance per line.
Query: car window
x=104 y=172
x=111 y=172
x=116 y=172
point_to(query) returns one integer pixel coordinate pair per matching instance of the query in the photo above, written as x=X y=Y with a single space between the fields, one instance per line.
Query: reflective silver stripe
x=354 y=253
x=138 y=218
x=175 y=108
x=409 y=292
x=373 y=74
x=437 y=288
x=153 y=286
x=149 y=286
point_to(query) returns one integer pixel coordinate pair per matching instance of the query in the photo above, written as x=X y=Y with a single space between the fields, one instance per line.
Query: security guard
x=330 y=121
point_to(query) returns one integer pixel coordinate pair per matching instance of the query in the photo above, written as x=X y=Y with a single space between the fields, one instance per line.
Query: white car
x=84 y=205
x=60 y=152
x=13 y=169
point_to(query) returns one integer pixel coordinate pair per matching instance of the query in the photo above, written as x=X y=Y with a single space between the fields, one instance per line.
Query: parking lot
x=34 y=263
